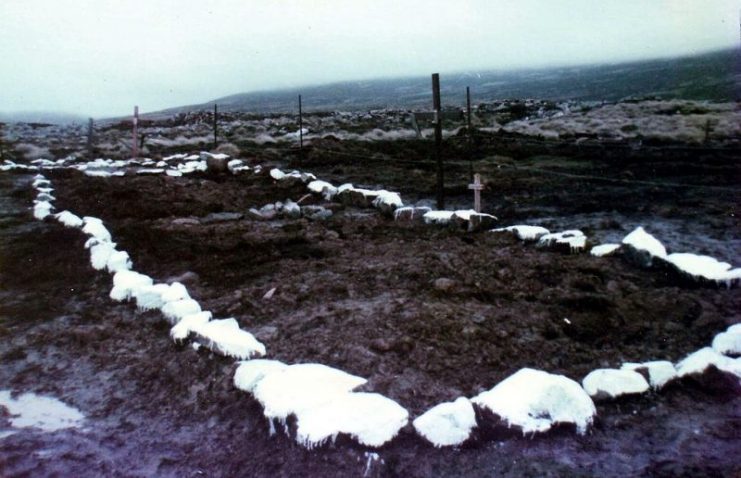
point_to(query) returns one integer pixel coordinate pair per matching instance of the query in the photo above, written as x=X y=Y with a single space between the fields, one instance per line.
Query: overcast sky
x=100 y=57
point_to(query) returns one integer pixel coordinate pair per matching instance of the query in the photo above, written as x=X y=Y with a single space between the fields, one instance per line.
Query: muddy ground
x=358 y=292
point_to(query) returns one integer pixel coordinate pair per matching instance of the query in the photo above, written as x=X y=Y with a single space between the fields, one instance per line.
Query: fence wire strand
x=588 y=177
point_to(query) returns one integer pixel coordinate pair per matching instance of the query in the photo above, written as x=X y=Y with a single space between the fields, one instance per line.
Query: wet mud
x=426 y=314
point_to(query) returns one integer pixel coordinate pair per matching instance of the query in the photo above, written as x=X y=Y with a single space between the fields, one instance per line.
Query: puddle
x=35 y=411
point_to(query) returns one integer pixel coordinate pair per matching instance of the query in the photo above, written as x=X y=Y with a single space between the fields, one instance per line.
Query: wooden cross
x=477 y=187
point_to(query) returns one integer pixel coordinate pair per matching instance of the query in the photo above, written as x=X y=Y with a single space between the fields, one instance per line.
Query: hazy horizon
x=99 y=58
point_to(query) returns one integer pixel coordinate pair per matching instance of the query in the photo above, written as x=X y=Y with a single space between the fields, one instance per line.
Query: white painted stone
x=535 y=401
x=447 y=424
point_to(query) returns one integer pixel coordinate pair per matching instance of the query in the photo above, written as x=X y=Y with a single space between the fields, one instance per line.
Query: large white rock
x=447 y=424
x=100 y=252
x=612 y=383
x=369 y=418
x=387 y=201
x=438 y=217
x=68 y=219
x=301 y=387
x=728 y=342
x=698 y=362
x=535 y=401
x=704 y=267
x=324 y=188
x=574 y=239
x=126 y=283
x=250 y=372
x=224 y=337
x=524 y=232
x=604 y=249
x=643 y=241
x=175 y=310
x=95 y=228
x=118 y=261
x=660 y=372
x=176 y=291
x=150 y=297
x=42 y=209
x=182 y=329
x=41 y=182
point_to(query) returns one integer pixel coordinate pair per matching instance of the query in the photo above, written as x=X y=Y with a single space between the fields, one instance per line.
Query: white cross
x=477 y=187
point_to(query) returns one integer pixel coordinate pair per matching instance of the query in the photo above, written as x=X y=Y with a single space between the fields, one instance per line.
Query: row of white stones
x=534 y=400
x=321 y=397
x=322 y=400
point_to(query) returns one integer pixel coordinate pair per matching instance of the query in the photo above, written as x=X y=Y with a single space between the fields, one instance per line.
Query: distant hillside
x=41 y=117
x=710 y=76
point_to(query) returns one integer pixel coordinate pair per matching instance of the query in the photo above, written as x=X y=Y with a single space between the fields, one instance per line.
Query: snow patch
x=35 y=411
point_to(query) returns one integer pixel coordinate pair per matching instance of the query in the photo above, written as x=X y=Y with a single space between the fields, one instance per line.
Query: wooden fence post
x=438 y=140
x=300 y=126
x=90 y=138
x=135 y=143
x=216 y=114
x=468 y=130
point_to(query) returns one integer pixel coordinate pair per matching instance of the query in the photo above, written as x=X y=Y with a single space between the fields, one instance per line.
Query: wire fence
x=465 y=166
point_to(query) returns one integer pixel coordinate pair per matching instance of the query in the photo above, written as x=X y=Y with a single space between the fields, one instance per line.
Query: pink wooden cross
x=477 y=187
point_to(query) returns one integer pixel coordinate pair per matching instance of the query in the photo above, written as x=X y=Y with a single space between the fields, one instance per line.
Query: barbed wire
x=459 y=165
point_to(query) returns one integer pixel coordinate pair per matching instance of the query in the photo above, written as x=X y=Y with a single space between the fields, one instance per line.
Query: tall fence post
x=300 y=126
x=90 y=138
x=438 y=140
x=216 y=115
x=135 y=143
x=469 y=132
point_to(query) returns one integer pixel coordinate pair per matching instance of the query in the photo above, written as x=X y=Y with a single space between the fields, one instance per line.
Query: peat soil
x=426 y=314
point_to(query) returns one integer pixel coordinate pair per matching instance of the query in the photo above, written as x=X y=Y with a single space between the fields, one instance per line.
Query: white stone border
x=445 y=424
